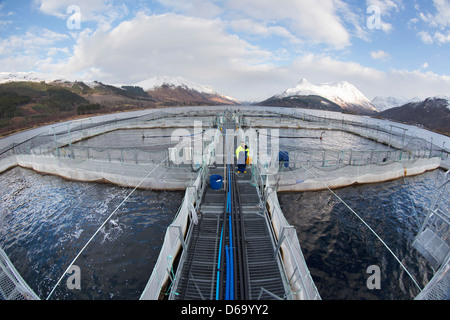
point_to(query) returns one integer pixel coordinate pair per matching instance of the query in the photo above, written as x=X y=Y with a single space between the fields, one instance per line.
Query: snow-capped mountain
x=172 y=89
x=32 y=76
x=431 y=113
x=344 y=94
x=385 y=103
x=158 y=82
x=26 y=76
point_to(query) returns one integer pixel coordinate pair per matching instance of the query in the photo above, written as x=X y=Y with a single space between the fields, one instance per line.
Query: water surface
x=46 y=220
x=339 y=248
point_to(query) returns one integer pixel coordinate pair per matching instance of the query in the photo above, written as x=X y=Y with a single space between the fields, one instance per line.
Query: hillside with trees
x=25 y=104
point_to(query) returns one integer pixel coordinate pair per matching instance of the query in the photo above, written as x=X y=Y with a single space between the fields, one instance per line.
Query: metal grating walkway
x=230 y=252
x=12 y=286
x=196 y=277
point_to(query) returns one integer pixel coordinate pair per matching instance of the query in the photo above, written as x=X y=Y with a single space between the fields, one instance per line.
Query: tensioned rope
x=366 y=224
x=373 y=231
x=104 y=223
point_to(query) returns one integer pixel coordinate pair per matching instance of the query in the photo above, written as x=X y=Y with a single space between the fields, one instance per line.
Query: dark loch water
x=45 y=221
x=339 y=248
x=289 y=139
x=305 y=140
x=132 y=137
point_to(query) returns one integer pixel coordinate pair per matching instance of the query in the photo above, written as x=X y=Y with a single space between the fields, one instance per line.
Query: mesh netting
x=12 y=286
x=167 y=164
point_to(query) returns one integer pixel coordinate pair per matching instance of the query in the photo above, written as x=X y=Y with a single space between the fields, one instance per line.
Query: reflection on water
x=131 y=138
x=303 y=139
x=300 y=140
x=45 y=221
x=339 y=248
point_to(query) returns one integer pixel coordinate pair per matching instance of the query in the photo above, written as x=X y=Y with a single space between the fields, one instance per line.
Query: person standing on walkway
x=241 y=155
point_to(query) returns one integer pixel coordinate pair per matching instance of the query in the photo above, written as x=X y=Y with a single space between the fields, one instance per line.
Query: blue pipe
x=227 y=287
x=218 y=266
x=229 y=262
x=231 y=282
x=230 y=228
x=231 y=293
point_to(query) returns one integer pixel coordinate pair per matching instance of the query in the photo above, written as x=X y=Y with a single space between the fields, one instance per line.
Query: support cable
x=103 y=224
x=379 y=238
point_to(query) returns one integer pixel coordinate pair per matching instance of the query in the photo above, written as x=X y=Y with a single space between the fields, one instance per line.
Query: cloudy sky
x=248 y=49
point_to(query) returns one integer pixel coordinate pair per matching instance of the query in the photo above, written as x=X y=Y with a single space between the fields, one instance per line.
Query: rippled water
x=45 y=221
x=303 y=139
x=339 y=248
x=132 y=137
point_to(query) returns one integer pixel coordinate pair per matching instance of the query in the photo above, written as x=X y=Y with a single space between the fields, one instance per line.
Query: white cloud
x=386 y=27
x=315 y=20
x=386 y=8
x=376 y=83
x=439 y=21
x=332 y=22
x=196 y=8
x=262 y=29
x=173 y=45
x=203 y=51
x=33 y=40
x=371 y=82
x=101 y=11
x=425 y=37
x=437 y=37
x=58 y=8
x=421 y=84
x=33 y=50
x=442 y=38
x=379 y=55
x=442 y=17
x=54 y=51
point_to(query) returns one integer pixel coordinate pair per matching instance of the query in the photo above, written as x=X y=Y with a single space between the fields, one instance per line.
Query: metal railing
x=12 y=286
x=338 y=158
x=433 y=238
x=299 y=279
x=174 y=239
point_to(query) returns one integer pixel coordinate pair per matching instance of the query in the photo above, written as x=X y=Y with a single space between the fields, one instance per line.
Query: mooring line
x=373 y=231
x=98 y=230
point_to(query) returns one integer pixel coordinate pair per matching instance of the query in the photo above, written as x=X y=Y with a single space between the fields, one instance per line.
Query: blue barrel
x=216 y=182
x=284 y=157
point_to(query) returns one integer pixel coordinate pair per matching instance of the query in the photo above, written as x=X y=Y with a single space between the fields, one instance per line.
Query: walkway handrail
x=174 y=238
x=173 y=241
x=15 y=288
x=298 y=275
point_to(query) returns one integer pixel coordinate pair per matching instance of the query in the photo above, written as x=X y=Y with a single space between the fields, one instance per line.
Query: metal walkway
x=231 y=252
x=12 y=285
x=433 y=242
x=258 y=273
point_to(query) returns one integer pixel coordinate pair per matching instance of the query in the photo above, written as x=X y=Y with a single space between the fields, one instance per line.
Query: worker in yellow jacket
x=242 y=155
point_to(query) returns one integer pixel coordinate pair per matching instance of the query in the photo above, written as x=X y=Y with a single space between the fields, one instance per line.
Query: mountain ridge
x=29 y=99
x=340 y=93
x=432 y=113
x=385 y=103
